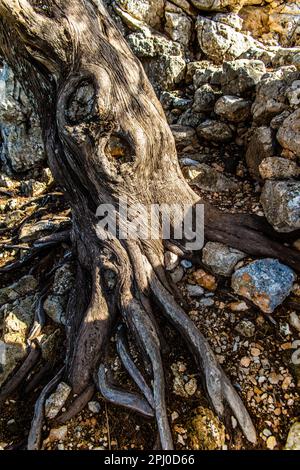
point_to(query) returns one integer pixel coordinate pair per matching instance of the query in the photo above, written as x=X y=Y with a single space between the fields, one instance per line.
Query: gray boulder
x=241 y=76
x=214 y=131
x=148 y=12
x=281 y=204
x=271 y=92
x=21 y=145
x=209 y=179
x=274 y=168
x=289 y=133
x=262 y=145
x=56 y=303
x=265 y=282
x=233 y=108
x=163 y=60
x=179 y=27
x=221 y=42
x=204 y=99
x=220 y=258
x=184 y=135
x=203 y=72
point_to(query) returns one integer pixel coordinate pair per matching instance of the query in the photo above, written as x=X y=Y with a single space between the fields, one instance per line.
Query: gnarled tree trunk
x=107 y=138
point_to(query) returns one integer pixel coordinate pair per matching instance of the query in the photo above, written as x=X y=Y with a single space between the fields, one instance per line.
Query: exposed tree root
x=77 y=406
x=119 y=397
x=38 y=248
x=133 y=371
x=218 y=386
x=35 y=434
x=35 y=381
x=20 y=375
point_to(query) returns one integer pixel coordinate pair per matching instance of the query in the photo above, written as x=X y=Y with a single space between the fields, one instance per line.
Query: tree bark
x=107 y=138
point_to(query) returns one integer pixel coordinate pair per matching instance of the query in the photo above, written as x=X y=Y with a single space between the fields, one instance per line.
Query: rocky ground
x=228 y=76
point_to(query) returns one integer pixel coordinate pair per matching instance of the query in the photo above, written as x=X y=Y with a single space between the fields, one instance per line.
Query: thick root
x=119 y=397
x=77 y=406
x=35 y=434
x=21 y=374
x=217 y=384
x=133 y=371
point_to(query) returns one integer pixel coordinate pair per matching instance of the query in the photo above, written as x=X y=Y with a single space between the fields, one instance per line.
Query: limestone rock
x=289 y=133
x=171 y=261
x=219 y=5
x=261 y=146
x=183 y=135
x=204 y=99
x=221 y=258
x=271 y=94
x=209 y=179
x=265 y=282
x=56 y=303
x=24 y=286
x=278 y=168
x=278 y=120
x=293 y=94
x=191 y=119
x=281 y=204
x=205 y=430
x=94 y=407
x=233 y=108
x=57 y=400
x=171 y=100
x=51 y=345
x=241 y=76
x=214 y=131
x=221 y=42
x=163 y=59
x=186 y=6
x=245 y=328
x=274 y=23
x=293 y=440
x=179 y=27
x=21 y=146
x=203 y=72
x=16 y=318
x=58 y=434
x=231 y=19
x=284 y=20
x=149 y=12
x=195 y=291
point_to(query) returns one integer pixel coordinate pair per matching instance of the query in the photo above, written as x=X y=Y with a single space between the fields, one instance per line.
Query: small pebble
x=245 y=361
x=238 y=306
x=195 y=291
x=94 y=407
x=271 y=443
x=255 y=352
x=207 y=302
x=186 y=264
